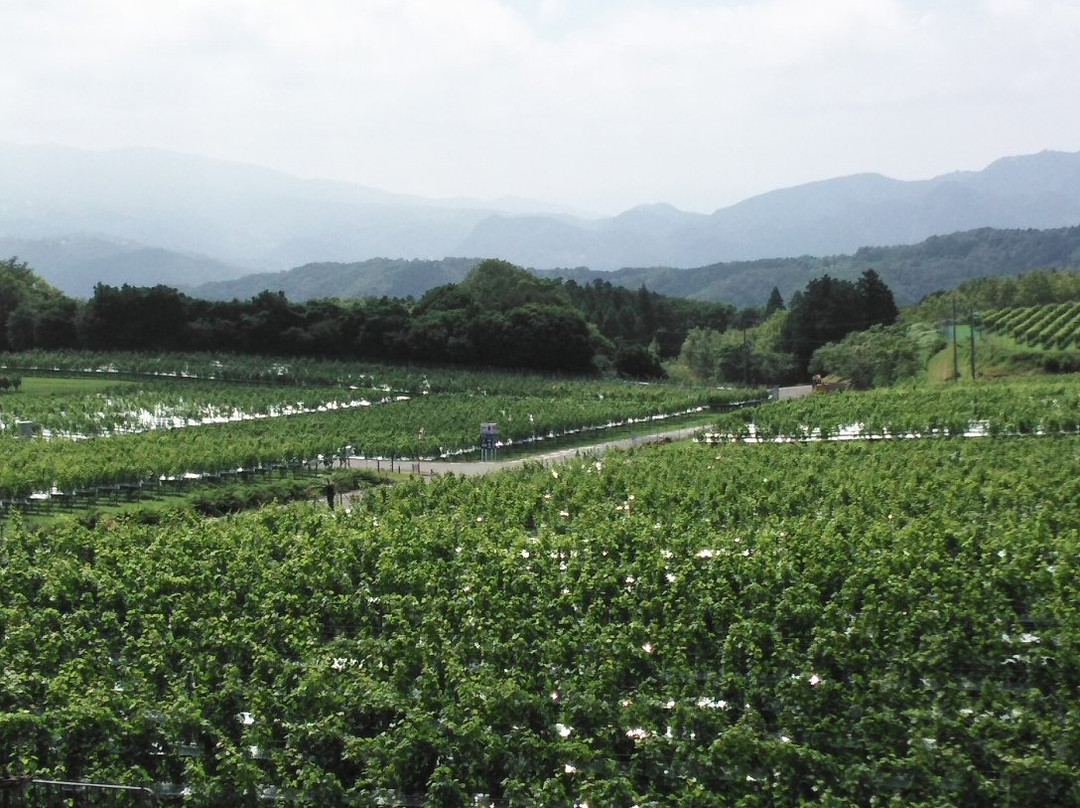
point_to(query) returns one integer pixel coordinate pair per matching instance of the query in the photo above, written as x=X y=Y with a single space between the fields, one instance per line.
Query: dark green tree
x=546 y=338
x=133 y=318
x=829 y=308
x=20 y=328
x=27 y=304
x=775 y=304
x=637 y=362
x=648 y=319
x=501 y=286
x=876 y=300
x=54 y=323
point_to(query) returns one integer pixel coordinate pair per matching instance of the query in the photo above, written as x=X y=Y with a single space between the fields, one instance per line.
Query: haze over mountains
x=145 y=217
x=912 y=271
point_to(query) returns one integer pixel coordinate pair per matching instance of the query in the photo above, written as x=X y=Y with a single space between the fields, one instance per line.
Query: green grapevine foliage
x=241 y=428
x=889 y=622
x=1021 y=406
x=1054 y=326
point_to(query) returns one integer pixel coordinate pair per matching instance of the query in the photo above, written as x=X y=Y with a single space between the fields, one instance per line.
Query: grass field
x=996 y=356
x=45 y=386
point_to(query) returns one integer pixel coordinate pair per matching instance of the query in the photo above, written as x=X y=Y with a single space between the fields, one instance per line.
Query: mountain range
x=911 y=271
x=143 y=217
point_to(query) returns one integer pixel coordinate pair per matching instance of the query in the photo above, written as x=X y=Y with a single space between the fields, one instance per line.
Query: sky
x=596 y=104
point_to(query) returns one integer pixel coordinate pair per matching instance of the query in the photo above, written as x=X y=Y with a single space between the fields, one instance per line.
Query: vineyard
x=146 y=432
x=210 y=367
x=127 y=407
x=837 y=623
x=1025 y=406
x=1053 y=326
x=776 y=619
x=291 y=372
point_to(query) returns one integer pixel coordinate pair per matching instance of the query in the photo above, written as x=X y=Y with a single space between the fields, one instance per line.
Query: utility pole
x=955 y=360
x=973 y=344
x=420 y=448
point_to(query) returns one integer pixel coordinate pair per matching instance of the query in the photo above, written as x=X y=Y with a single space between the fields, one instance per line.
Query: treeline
x=852 y=330
x=499 y=316
x=778 y=345
x=1040 y=287
x=644 y=317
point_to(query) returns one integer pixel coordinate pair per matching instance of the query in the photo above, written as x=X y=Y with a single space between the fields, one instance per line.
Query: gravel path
x=471 y=468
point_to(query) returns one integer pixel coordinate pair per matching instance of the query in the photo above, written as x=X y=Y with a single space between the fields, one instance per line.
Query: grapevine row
x=676 y=626
x=426 y=426
x=1047 y=326
x=1024 y=406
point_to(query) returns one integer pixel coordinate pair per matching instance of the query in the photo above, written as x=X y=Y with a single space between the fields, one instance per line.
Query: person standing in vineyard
x=330 y=492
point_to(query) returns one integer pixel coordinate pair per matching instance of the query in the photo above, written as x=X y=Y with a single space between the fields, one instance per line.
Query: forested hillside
x=393 y=277
x=911 y=271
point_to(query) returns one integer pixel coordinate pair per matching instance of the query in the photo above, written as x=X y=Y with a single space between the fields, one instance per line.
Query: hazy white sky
x=601 y=104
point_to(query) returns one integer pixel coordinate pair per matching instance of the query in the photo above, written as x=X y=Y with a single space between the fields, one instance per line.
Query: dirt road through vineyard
x=472 y=468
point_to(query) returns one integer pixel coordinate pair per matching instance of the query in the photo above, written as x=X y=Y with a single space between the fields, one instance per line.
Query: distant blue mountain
x=830 y=217
x=179 y=219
